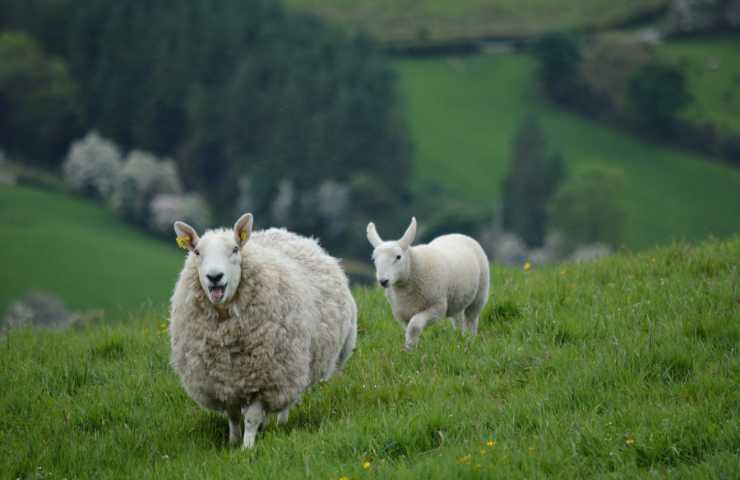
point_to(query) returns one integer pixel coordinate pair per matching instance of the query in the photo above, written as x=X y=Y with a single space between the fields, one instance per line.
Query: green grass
x=81 y=252
x=464 y=112
x=712 y=67
x=623 y=368
x=431 y=21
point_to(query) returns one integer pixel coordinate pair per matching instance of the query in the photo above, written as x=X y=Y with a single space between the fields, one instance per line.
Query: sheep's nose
x=384 y=283
x=215 y=278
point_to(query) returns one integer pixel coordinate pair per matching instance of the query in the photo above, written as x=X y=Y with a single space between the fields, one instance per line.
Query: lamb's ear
x=372 y=235
x=408 y=237
x=187 y=238
x=243 y=229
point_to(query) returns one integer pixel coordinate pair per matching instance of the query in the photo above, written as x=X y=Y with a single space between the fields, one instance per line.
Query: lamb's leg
x=254 y=416
x=419 y=321
x=472 y=313
x=235 y=427
x=282 y=418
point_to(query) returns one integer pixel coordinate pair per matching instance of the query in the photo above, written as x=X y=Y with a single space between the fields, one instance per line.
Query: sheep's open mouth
x=216 y=293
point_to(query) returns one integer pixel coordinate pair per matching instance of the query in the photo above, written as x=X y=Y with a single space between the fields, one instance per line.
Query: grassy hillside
x=713 y=71
x=430 y=21
x=624 y=368
x=81 y=252
x=464 y=112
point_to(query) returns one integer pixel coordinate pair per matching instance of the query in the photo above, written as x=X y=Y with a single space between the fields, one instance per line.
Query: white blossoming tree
x=92 y=166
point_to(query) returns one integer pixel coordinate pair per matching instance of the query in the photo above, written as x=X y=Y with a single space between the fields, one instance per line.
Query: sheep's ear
x=243 y=229
x=408 y=237
x=372 y=235
x=187 y=238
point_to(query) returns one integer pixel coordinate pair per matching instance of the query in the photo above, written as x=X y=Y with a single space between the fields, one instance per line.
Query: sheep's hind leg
x=254 y=417
x=458 y=321
x=235 y=427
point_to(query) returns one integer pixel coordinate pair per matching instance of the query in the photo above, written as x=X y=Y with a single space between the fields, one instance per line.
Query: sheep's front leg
x=254 y=416
x=419 y=322
x=235 y=427
x=282 y=418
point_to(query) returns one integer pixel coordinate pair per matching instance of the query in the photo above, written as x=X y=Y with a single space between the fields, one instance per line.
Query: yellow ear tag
x=183 y=242
x=243 y=236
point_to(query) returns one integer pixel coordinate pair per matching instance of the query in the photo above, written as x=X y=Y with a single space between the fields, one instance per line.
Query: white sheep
x=447 y=277
x=256 y=319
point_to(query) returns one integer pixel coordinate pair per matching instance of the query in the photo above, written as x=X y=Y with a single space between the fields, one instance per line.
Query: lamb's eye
x=196 y=252
x=235 y=250
x=398 y=257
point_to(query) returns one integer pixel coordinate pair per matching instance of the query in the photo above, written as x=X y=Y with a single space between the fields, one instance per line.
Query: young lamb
x=256 y=319
x=447 y=277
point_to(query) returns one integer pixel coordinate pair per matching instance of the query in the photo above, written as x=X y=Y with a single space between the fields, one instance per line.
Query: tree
x=533 y=177
x=39 y=111
x=589 y=207
x=559 y=55
x=655 y=95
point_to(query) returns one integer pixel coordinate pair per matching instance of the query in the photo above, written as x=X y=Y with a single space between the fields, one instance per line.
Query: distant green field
x=463 y=113
x=713 y=72
x=429 y=21
x=81 y=252
x=624 y=368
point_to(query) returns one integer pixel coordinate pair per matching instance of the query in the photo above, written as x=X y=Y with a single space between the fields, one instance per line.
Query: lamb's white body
x=291 y=322
x=448 y=277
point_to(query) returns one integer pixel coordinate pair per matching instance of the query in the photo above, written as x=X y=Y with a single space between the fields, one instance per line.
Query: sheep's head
x=218 y=256
x=391 y=257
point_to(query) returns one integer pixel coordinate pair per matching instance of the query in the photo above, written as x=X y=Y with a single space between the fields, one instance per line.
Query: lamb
x=256 y=319
x=447 y=277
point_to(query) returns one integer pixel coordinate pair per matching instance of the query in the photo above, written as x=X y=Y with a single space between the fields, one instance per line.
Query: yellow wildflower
x=344 y=477
x=477 y=466
x=630 y=441
x=527 y=266
x=467 y=459
x=366 y=465
x=183 y=242
x=491 y=443
x=244 y=235
x=482 y=452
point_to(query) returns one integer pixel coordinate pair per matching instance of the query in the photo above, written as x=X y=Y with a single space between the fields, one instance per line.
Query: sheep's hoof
x=248 y=442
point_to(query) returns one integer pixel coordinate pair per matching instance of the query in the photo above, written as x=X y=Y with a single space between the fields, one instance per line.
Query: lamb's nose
x=384 y=283
x=215 y=278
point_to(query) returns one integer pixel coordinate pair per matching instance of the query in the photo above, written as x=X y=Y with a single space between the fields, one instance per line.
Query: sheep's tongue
x=217 y=294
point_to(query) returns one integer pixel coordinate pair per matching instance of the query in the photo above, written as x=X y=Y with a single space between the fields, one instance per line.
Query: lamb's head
x=391 y=258
x=218 y=256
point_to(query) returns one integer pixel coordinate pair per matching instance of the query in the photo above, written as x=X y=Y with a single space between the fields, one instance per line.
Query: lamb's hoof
x=409 y=347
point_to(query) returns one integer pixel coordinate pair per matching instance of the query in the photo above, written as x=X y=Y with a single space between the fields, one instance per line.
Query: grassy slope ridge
x=81 y=252
x=712 y=66
x=622 y=368
x=424 y=21
x=464 y=112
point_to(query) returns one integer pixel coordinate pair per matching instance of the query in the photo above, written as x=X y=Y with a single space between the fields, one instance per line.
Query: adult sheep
x=447 y=277
x=256 y=319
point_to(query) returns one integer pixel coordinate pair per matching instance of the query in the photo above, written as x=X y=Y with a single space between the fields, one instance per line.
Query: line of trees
x=249 y=100
x=617 y=77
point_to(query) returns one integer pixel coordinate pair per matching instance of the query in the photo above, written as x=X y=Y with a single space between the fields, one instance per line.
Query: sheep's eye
x=196 y=252
x=398 y=257
x=235 y=250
